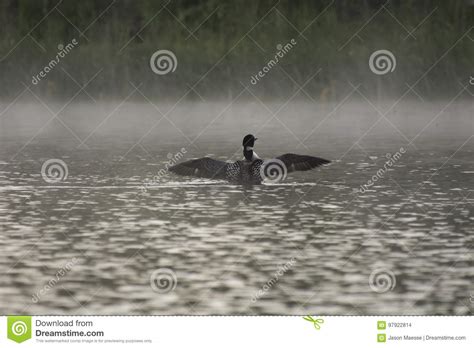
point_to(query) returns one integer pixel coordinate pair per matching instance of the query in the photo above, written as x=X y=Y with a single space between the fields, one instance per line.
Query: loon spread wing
x=301 y=162
x=205 y=167
x=251 y=170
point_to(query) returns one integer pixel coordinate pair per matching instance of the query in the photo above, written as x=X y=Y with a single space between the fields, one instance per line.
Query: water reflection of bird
x=251 y=170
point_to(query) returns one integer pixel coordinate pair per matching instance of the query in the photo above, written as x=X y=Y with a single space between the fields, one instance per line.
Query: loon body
x=252 y=169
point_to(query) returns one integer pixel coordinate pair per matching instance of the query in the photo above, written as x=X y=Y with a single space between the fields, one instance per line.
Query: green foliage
x=223 y=40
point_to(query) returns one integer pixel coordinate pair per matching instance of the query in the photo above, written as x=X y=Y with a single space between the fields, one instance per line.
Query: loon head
x=247 y=143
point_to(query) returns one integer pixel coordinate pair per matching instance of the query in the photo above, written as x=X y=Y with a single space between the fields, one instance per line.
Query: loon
x=251 y=170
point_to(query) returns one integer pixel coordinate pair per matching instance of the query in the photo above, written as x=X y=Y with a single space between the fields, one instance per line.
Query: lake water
x=90 y=244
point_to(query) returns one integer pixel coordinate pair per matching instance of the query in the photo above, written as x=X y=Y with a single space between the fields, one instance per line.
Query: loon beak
x=256 y=138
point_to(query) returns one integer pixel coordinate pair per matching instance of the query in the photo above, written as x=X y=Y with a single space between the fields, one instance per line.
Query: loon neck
x=248 y=153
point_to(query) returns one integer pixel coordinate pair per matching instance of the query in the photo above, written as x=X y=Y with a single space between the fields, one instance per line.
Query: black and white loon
x=251 y=170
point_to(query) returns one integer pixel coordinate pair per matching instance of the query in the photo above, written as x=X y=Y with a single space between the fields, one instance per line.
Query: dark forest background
x=117 y=38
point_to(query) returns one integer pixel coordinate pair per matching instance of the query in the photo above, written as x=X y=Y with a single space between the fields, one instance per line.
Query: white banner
x=228 y=331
